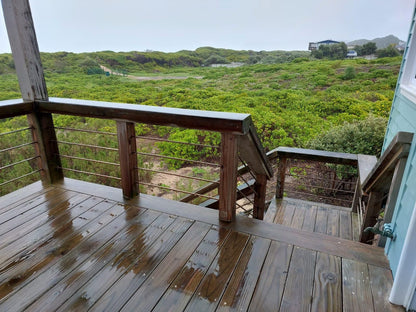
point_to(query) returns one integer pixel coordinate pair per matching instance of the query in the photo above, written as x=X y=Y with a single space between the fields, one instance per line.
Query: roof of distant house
x=328 y=42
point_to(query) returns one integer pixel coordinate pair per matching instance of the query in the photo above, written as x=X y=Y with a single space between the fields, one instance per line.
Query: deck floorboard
x=77 y=246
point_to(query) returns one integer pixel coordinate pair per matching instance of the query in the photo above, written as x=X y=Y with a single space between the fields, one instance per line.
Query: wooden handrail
x=385 y=177
x=165 y=116
x=237 y=129
x=13 y=108
x=284 y=153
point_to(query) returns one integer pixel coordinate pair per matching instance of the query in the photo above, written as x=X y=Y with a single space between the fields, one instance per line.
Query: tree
x=368 y=48
x=390 y=51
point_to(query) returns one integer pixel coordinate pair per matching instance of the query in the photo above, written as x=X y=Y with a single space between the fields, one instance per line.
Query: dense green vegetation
x=291 y=102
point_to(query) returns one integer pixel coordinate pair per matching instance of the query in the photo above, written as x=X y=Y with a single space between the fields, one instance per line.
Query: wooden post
x=128 y=158
x=280 y=185
x=228 y=177
x=393 y=194
x=370 y=215
x=24 y=45
x=259 y=196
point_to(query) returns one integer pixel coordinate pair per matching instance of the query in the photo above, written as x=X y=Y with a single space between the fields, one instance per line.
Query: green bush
x=349 y=73
x=359 y=137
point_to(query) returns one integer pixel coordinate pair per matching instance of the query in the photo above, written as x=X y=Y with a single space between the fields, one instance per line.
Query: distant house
x=315 y=45
x=351 y=54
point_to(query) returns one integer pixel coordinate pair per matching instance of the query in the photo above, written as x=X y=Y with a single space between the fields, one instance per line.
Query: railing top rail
x=316 y=155
x=12 y=108
x=398 y=148
x=186 y=118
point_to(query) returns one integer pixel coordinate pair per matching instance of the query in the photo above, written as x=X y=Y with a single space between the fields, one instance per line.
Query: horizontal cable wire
x=86 y=131
x=89 y=145
x=176 y=142
x=90 y=160
x=16 y=147
x=178 y=175
x=19 y=162
x=21 y=177
x=15 y=131
x=180 y=159
x=91 y=173
x=175 y=190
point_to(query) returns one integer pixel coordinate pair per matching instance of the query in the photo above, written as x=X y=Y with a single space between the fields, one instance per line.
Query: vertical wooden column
x=228 y=177
x=24 y=45
x=260 y=196
x=280 y=185
x=370 y=215
x=128 y=158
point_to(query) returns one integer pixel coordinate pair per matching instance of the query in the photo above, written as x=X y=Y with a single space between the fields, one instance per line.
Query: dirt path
x=145 y=78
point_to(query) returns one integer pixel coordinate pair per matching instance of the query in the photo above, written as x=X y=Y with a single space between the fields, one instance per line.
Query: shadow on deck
x=80 y=246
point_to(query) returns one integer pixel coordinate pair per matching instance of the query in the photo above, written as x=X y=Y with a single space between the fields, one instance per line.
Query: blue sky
x=166 y=25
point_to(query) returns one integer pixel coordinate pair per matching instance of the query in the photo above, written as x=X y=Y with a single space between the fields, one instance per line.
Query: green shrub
x=349 y=73
x=359 y=137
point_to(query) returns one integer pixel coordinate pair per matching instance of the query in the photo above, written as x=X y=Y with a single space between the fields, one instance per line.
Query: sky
x=173 y=25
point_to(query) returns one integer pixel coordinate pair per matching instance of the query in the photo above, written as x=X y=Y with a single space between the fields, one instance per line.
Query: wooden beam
x=315 y=155
x=228 y=177
x=260 y=187
x=167 y=116
x=128 y=158
x=24 y=45
x=280 y=185
x=12 y=108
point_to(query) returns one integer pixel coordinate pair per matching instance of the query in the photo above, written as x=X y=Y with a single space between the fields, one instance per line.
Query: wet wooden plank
x=321 y=220
x=327 y=294
x=287 y=214
x=140 y=268
x=356 y=290
x=37 y=216
x=309 y=219
x=95 y=236
x=299 y=285
x=37 y=230
x=355 y=227
x=271 y=210
x=48 y=199
x=44 y=252
x=90 y=276
x=212 y=287
x=25 y=194
x=381 y=282
x=332 y=227
x=185 y=284
x=239 y=291
x=345 y=225
x=298 y=217
x=268 y=293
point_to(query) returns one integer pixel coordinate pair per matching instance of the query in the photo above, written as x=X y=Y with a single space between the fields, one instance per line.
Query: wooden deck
x=314 y=217
x=78 y=246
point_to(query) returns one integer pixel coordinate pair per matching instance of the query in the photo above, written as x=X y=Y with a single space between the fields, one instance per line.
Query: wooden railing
x=238 y=139
x=284 y=154
x=380 y=187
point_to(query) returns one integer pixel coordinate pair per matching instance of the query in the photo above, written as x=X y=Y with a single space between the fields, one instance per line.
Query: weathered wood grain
x=145 y=298
x=332 y=227
x=321 y=220
x=310 y=218
x=228 y=177
x=104 y=267
x=271 y=284
x=327 y=294
x=381 y=282
x=126 y=136
x=345 y=225
x=209 y=293
x=141 y=267
x=239 y=291
x=356 y=289
x=299 y=284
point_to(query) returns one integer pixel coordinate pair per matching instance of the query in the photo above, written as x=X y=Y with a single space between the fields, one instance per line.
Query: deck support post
x=128 y=158
x=280 y=185
x=29 y=70
x=228 y=177
x=259 y=196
